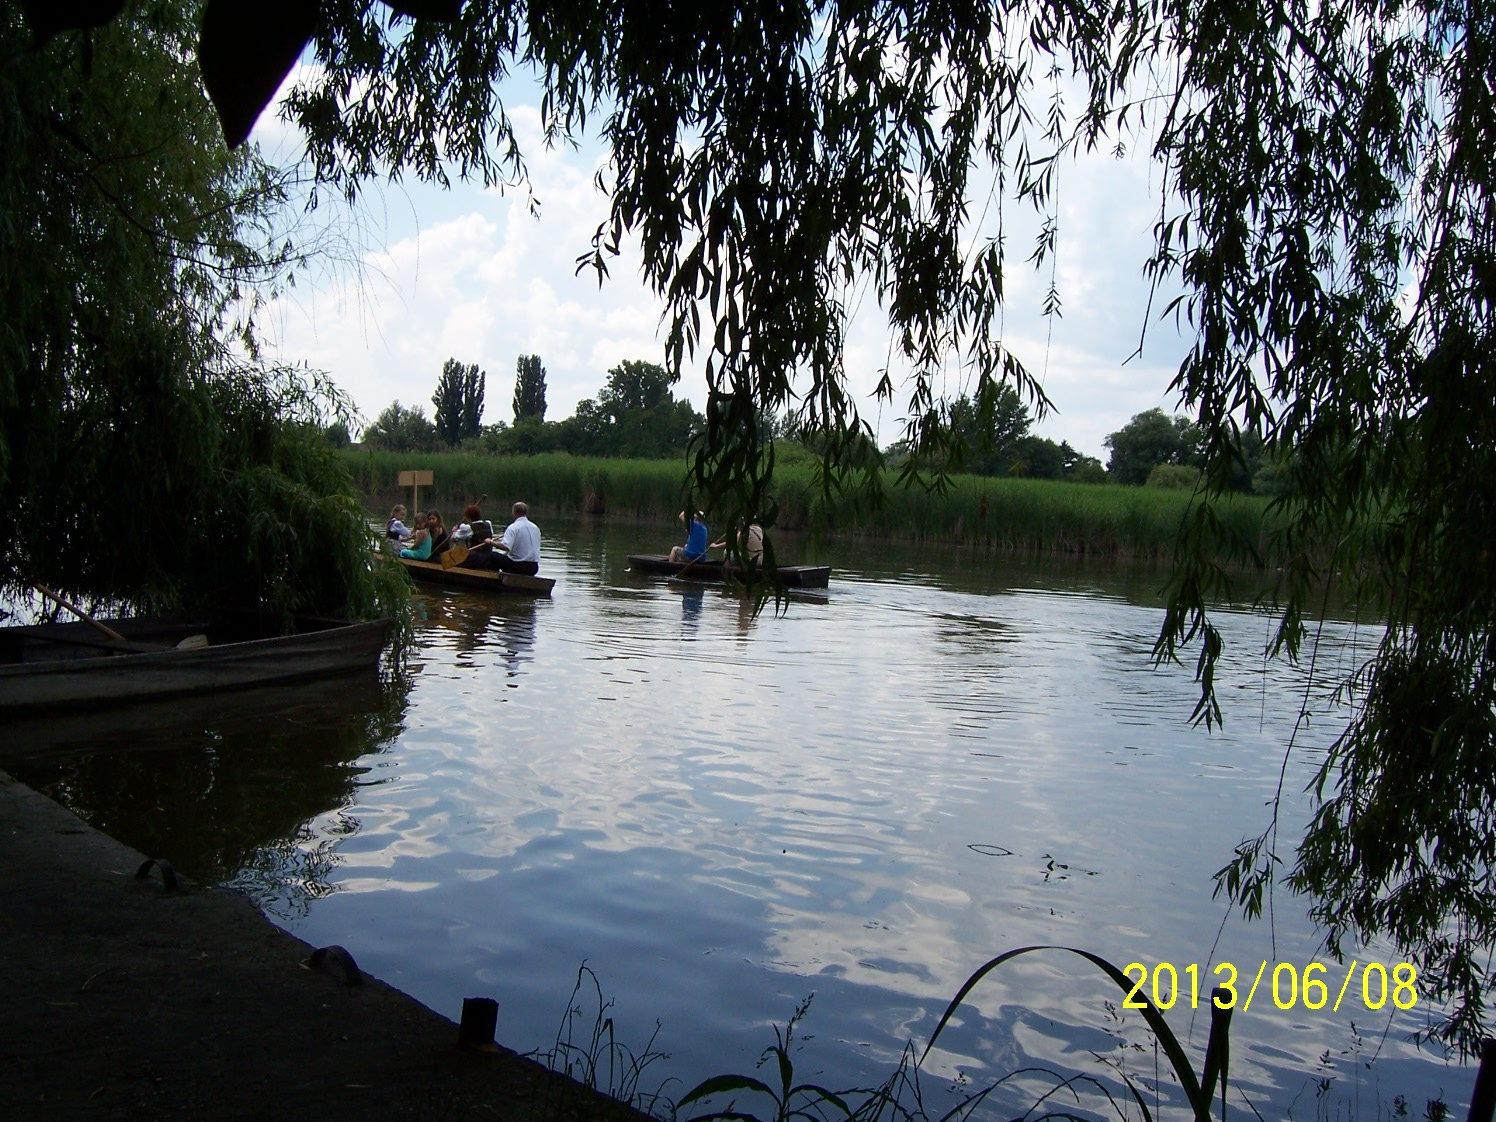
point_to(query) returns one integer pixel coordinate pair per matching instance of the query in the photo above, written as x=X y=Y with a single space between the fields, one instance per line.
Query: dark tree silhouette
x=529 y=388
x=459 y=401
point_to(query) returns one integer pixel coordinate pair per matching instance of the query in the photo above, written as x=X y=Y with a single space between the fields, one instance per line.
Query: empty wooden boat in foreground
x=72 y=665
x=793 y=576
x=479 y=580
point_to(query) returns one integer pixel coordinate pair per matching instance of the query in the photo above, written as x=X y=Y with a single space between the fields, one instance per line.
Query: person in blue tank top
x=697 y=537
x=420 y=545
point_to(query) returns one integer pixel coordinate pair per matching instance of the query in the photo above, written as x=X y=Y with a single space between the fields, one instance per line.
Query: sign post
x=415 y=480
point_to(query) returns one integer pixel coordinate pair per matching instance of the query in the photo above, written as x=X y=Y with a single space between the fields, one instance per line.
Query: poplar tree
x=529 y=388
x=459 y=401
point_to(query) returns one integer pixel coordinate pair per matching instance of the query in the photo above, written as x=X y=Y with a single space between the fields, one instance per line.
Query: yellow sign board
x=415 y=480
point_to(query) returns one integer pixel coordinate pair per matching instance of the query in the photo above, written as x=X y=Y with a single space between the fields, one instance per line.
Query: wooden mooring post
x=480 y=1018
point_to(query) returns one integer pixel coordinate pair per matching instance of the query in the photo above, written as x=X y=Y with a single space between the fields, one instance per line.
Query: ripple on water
x=865 y=798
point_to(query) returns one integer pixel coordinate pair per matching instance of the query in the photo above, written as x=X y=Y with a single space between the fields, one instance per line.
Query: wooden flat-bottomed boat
x=477 y=580
x=792 y=576
x=75 y=666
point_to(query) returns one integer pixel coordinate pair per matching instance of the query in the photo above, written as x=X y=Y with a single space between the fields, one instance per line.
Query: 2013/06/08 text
x=1290 y=985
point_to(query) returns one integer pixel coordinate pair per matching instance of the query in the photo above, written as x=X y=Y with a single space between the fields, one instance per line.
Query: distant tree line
x=635 y=415
x=1153 y=450
x=994 y=438
x=1156 y=450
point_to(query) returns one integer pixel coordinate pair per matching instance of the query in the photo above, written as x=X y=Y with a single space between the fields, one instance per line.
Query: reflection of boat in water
x=477 y=580
x=504 y=628
x=73 y=665
x=254 y=785
x=255 y=714
x=795 y=576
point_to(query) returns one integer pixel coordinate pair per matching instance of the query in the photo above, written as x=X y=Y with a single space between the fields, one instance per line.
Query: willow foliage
x=1327 y=210
x=1339 y=253
x=141 y=463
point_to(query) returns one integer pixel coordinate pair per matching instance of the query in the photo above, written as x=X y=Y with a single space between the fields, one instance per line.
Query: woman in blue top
x=697 y=537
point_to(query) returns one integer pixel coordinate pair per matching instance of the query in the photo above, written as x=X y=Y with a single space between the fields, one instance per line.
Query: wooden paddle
x=117 y=642
x=689 y=563
x=77 y=611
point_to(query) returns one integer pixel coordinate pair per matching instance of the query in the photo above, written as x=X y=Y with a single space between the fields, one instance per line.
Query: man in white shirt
x=518 y=550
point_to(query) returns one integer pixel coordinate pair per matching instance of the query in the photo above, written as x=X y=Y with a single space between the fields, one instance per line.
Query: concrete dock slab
x=121 y=999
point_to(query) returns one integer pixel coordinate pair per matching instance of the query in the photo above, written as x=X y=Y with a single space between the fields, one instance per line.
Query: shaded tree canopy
x=459 y=401
x=635 y=415
x=1149 y=439
x=529 y=388
x=990 y=428
x=402 y=429
x=636 y=386
x=1327 y=212
x=146 y=460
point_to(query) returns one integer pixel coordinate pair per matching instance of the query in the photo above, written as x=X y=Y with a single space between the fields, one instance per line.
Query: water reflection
x=691 y=598
x=864 y=796
x=481 y=629
x=221 y=785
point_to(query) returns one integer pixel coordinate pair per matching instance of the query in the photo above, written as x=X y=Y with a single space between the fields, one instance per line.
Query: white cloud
x=472 y=274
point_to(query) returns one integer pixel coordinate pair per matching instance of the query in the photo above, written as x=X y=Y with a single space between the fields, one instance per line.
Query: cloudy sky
x=421 y=275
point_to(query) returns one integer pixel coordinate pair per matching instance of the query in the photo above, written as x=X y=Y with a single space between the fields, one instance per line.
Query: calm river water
x=863 y=798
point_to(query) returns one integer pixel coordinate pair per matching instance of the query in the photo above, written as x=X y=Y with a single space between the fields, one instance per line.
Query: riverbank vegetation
x=587 y=1050
x=147 y=461
x=982 y=512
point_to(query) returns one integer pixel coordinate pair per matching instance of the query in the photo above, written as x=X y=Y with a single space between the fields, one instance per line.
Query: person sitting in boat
x=751 y=543
x=518 y=550
x=419 y=547
x=476 y=533
x=697 y=536
x=440 y=539
x=474 y=528
x=395 y=528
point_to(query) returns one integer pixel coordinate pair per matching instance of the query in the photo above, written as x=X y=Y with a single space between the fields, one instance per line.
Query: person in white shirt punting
x=518 y=549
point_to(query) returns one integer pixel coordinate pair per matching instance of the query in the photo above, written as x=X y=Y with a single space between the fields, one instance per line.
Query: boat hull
x=793 y=576
x=480 y=580
x=69 y=665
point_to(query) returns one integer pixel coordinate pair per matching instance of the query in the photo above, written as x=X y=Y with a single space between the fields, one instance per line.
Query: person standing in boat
x=697 y=536
x=518 y=551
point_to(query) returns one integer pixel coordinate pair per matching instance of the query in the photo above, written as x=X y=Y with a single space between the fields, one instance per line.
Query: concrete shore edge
x=122 y=999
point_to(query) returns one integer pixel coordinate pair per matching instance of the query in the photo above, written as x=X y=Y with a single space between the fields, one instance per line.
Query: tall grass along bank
x=1029 y=515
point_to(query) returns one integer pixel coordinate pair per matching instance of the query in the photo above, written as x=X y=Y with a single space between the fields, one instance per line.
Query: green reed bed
x=1028 y=515
x=1047 y=516
x=553 y=483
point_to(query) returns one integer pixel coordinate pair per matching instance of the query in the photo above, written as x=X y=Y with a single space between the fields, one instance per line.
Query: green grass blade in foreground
x=1165 y=1035
x=725 y=1084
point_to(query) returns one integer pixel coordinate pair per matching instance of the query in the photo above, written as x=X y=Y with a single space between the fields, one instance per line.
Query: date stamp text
x=1289 y=985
